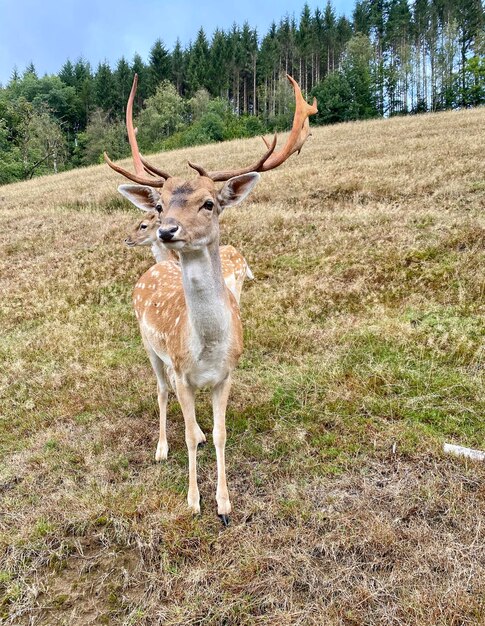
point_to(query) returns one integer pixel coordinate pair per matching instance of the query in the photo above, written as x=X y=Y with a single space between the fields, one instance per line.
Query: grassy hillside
x=364 y=333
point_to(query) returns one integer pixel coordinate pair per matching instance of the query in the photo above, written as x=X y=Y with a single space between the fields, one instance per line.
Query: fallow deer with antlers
x=189 y=320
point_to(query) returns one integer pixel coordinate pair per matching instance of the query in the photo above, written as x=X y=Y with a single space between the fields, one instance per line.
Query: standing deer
x=189 y=320
x=234 y=266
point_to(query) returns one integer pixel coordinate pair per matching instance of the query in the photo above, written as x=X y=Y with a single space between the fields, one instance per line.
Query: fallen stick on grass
x=476 y=455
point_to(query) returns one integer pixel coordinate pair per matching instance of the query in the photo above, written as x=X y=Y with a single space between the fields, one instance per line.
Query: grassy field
x=364 y=352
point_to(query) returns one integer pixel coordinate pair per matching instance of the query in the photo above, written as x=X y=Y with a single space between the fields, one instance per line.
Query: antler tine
x=137 y=160
x=147 y=171
x=298 y=135
x=198 y=168
x=141 y=180
x=266 y=142
x=151 y=169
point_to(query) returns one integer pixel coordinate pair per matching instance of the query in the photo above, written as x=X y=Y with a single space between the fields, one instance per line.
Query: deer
x=235 y=268
x=190 y=322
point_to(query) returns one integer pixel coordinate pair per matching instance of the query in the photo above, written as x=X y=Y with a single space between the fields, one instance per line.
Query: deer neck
x=159 y=252
x=205 y=295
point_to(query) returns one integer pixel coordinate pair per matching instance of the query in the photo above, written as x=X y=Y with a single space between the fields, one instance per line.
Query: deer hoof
x=225 y=520
x=162 y=452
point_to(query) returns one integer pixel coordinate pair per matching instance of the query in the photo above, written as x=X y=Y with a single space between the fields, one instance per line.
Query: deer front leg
x=162 y=446
x=162 y=392
x=220 y=395
x=186 y=398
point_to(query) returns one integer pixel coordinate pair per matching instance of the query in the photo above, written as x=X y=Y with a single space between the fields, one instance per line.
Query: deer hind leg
x=201 y=439
x=220 y=395
x=186 y=398
x=162 y=392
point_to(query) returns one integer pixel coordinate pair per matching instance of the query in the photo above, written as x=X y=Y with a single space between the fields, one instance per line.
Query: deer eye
x=208 y=204
x=143 y=226
x=159 y=208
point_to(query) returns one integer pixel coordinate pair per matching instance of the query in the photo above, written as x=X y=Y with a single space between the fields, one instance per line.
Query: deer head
x=190 y=210
x=144 y=233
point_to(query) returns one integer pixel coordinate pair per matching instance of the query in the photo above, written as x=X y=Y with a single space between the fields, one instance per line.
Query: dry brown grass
x=364 y=351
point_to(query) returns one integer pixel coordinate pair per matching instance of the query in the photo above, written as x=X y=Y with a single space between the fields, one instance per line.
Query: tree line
x=391 y=57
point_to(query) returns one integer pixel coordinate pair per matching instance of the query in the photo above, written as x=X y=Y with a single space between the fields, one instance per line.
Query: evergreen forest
x=390 y=57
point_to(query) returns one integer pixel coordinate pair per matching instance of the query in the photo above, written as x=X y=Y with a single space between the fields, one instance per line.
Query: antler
x=141 y=165
x=271 y=159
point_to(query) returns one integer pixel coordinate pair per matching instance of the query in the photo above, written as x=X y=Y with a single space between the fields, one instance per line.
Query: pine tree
x=83 y=84
x=123 y=79
x=420 y=27
x=14 y=76
x=30 y=70
x=159 y=66
x=198 y=63
x=138 y=67
x=236 y=60
x=249 y=47
x=268 y=64
x=178 y=67
x=361 y=17
x=317 y=44
x=105 y=89
x=397 y=32
x=67 y=74
x=303 y=38
x=330 y=27
x=286 y=36
x=470 y=17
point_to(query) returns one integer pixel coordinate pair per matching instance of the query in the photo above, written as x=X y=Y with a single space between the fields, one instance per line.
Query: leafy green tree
x=356 y=68
x=163 y=116
x=45 y=148
x=199 y=104
x=11 y=166
x=101 y=135
x=335 y=101
x=473 y=92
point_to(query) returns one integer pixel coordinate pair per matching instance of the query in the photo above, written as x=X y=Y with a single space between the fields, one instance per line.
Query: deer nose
x=167 y=233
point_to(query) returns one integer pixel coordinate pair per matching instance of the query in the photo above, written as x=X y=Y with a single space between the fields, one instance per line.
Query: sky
x=49 y=32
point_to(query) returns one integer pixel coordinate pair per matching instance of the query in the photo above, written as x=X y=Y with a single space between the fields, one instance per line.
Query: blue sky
x=50 y=32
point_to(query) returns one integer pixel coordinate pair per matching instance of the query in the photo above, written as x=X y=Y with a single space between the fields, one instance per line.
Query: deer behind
x=235 y=268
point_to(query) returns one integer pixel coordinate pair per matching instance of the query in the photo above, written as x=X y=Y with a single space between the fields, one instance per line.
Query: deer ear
x=237 y=188
x=143 y=197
